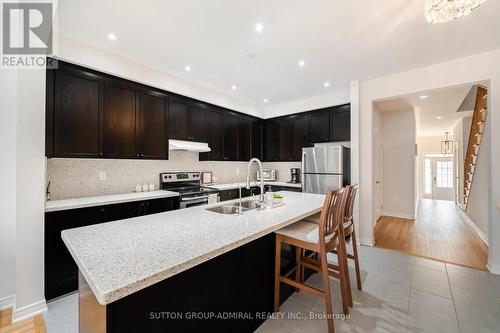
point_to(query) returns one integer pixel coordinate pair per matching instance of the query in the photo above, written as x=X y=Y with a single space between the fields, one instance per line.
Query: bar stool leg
x=277 y=273
x=326 y=288
x=298 y=267
x=356 y=259
x=344 y=278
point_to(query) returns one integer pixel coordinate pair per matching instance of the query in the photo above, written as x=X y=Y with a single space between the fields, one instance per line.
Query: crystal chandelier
x=439 y=11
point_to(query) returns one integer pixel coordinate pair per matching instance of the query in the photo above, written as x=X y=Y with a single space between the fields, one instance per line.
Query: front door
x=442 y=178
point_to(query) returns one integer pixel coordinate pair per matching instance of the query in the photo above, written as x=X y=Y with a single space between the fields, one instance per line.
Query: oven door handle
x=200 y=198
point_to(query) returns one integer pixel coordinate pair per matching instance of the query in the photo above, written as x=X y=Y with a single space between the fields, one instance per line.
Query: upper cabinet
x=197 y=126
x=244 y=139
x=152 y=125
x=340 y=127
x=319 y=126
x=77 y=98
x=215 y=135
x=271 y=140
x=187 y=120
x=231 y=124
x=121 y=104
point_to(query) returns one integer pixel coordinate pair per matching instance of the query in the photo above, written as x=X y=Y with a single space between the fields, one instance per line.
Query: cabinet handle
x=137 y=155
x=101 y=153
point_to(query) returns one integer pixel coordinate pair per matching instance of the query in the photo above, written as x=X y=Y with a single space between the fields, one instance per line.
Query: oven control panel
x=169 y=177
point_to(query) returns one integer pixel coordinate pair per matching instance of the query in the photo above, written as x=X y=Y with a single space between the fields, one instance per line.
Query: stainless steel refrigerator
x=325 y=168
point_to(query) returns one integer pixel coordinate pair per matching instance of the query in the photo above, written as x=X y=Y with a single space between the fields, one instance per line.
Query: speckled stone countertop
x=230 y=186
x=56 y=205
x=122 y=257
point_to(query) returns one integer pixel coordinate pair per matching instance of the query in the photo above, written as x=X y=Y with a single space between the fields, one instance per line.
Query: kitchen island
x=189 y=269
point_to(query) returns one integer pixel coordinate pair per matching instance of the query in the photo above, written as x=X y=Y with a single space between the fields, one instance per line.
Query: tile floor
x=401 y=293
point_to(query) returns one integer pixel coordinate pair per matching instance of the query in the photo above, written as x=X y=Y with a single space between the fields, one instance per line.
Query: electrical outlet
x=237 y=171
x=102 y=175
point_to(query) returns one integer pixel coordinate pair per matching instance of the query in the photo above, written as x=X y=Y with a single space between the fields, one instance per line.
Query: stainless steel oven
x=186 y=202
x=187 y=184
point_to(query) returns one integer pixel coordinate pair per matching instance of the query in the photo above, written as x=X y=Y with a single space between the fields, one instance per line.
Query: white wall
x=89 y=56
x=308 y=104
x=398 y=133
x=426 y=144
x=483 y=68
x=30 y=193
x=8 y=109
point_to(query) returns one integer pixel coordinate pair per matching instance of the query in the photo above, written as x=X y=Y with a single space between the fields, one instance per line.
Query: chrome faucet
x=261 y=197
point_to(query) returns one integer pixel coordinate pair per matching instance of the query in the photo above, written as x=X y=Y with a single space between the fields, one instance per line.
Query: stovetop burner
x=187 y=184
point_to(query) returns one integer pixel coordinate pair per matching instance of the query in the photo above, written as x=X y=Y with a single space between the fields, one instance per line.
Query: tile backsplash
x=75 y=178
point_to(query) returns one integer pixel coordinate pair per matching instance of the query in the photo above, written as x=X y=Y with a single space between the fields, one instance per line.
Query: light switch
x=102 y=175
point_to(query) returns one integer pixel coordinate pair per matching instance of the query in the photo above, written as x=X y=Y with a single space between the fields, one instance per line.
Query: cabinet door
x=271 y=141
x=244 y=139
x=215 y=136
x=120 y=111
x=153 y=143
x=341 y=123
x=125 y=210
x=257 y=139
x=78 y=104
x=178 y=119
x=61 y=272
x=197 y=126
x=300 y=137
x=160 y=205
x=231 y=123
x=285 y=139
x=319 y=126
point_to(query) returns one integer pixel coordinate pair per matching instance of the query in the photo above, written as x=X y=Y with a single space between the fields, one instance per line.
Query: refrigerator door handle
x=303 y=166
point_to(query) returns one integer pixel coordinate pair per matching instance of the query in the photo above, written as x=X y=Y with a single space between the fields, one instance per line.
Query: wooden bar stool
x=320 y=238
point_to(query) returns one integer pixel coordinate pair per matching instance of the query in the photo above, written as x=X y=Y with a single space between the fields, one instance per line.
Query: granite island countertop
x=57 y=205
x=121 y=257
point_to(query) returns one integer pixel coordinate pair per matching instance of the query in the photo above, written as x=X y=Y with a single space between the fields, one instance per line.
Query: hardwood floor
x=31 y=325
x=438 y=233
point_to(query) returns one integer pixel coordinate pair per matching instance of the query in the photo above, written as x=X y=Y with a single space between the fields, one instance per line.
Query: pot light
x=187 y=68
x=259 y=27
x=111 y=36
x=326 y=84
x=265 y=100
x=439 y=117
x=234 y=87
x=302 y=63
x=423 y=96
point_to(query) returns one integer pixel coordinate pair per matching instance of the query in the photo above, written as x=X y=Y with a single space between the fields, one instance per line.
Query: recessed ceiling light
x=259 y=27
x=423 y=96
x=439 y=117
x=234 y=87
x=302 y=63
x=326 y=84
x=265 y=100
x=112 y=36
x=187 y=68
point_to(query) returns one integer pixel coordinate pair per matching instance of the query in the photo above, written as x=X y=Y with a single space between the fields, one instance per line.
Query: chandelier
x=447 y=145
x=440 y=11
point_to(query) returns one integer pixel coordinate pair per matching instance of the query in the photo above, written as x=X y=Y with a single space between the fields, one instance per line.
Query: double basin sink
x=234 y=208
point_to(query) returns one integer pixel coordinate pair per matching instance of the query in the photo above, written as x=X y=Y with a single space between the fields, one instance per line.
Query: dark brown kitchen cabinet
x=197 y=126
x=178 y=119
x=61 y=272
x=258 y=139
x=215 y=136
x=319 y=126
x=77 y=112
x=271 y=141
x=231 y=124
x=120 y=111
x=152 y=124
x=286 y=131
x=340 y=123
x=244 y=139
x=300 y=137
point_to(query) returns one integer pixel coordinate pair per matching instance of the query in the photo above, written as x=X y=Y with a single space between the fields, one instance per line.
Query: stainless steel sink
x=233 y=208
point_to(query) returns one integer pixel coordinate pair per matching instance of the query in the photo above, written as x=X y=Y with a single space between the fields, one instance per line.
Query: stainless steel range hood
x=191 y=146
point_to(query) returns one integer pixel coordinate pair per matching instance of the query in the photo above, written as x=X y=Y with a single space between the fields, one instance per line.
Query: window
x=428 y=176
x=444 y=174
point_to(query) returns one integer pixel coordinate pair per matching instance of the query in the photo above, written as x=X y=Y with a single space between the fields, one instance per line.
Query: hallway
x=438 y=233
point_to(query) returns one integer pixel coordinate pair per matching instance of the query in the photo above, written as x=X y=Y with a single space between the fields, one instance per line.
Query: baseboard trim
x=29 y=310
x=474 y=227
x=7 y=302
x=398 y=214
x=494 y=269
x=366 y=241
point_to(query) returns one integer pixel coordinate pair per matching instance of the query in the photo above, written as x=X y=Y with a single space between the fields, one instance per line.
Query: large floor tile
x=464 y=271
x=426 y=301
x=375 y=320
x=62 y=315
x=433 y=264
x=431 y=281
x=431 y=321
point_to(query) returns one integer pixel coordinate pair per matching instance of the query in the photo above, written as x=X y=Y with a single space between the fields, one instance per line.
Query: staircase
x=475 y=137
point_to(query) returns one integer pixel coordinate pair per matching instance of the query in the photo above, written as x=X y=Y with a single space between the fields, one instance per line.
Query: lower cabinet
x=235 y=194
x=61 y=272
x=276 y=188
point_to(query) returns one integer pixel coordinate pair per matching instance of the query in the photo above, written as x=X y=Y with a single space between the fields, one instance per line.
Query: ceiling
x=340 y=41
x=437 y=113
